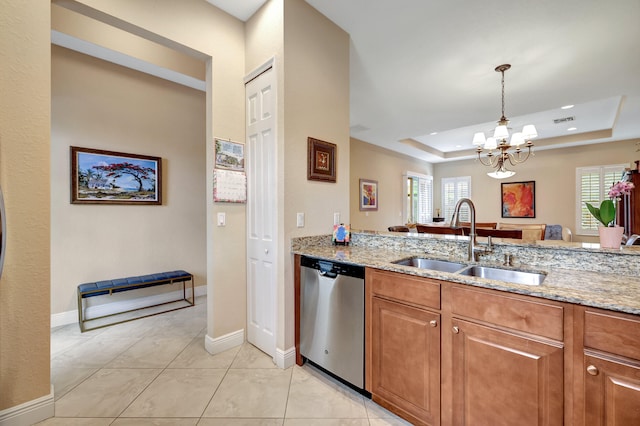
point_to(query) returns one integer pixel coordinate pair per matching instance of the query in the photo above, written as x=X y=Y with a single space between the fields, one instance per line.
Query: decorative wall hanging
x=229 y=155
x=107 y=177
x=519 y=199
x=368 y=195
x=229 y=177
x=321 y=163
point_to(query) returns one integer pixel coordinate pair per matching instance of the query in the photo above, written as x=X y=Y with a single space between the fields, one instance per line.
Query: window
x=453 y=189
x=419 y=202
x=592 y=186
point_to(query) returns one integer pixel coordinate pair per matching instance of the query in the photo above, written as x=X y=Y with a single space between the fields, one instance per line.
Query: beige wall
x=313 y=100
x=96 y=104
x=387 y=167
x=195 y=25
x=24 y=177
x=554 y=172
x=316 y=73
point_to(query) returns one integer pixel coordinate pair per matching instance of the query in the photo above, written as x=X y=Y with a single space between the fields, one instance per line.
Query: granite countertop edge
x=593 y=289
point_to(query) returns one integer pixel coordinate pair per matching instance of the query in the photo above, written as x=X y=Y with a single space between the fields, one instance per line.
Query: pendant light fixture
x=501 y=144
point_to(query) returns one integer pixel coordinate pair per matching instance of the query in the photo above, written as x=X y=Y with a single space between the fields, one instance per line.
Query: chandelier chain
x=503 y=117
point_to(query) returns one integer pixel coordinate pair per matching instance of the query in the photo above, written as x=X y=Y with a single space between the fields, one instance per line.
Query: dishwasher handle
x=328 y=274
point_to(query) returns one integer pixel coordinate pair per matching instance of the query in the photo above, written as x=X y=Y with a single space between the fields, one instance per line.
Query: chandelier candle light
x=501 y=143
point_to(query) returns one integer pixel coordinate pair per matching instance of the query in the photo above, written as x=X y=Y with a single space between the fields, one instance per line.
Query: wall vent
x=564 y=119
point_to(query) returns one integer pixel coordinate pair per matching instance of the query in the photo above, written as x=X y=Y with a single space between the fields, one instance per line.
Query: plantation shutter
x=593 y=184
x=425 y=197
x=452 y=190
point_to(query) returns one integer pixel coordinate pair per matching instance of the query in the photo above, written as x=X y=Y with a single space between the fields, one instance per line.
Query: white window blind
x=453 y=189
x=425 y=195
x=419 y=204
x=592 y=186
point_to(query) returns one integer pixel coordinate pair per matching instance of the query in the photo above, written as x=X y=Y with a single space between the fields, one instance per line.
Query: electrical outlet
x=336 y=218
x=300 y=220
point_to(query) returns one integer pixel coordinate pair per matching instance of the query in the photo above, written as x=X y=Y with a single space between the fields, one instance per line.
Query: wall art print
x=107 y=177
x=321 y=164
x=368 y=195
x=519 y=199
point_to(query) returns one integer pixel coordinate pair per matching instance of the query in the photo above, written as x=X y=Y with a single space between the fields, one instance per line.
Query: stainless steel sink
x=433 y=264
x=508 y=275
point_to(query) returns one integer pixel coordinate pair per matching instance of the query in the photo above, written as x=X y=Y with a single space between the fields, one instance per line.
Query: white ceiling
x=423 y=66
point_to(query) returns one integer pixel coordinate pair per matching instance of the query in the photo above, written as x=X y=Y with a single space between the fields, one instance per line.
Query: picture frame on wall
x=321 y=162
x=109 y=177
x=368 y=195
x=518 y=199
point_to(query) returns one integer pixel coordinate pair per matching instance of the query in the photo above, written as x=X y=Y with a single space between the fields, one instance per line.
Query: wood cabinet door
x=612 y=392
x=501 y=378
x=406 y=359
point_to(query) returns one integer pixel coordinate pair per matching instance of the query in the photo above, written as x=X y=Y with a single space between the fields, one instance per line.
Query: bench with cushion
x=108 y=287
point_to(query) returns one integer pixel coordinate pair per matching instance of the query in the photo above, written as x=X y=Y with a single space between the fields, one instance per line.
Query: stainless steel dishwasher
x=332 y=317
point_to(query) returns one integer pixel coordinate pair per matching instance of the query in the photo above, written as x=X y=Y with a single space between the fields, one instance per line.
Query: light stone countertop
x=587 y=281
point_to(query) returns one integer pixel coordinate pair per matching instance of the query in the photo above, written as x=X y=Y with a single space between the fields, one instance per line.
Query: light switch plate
x=300 y=220
x=336 y=218
x=222 y=219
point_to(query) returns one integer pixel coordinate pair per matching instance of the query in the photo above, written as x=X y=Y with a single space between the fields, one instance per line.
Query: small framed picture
x=107 y=177
x=321 y=163
x=519 y=199
x=368 y=195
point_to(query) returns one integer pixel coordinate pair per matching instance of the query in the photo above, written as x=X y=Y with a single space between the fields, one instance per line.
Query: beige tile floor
x=156 y=371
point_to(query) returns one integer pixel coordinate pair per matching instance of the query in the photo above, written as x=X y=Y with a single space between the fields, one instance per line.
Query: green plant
x=605 y=214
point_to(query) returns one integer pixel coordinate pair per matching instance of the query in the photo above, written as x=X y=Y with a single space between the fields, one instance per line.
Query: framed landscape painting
x=519 y=199
x=107 y=177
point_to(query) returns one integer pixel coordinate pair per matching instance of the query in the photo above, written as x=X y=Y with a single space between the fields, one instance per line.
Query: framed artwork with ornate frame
x=519 y=199
x=321 y=164
x=108 y=177
x=368 y=195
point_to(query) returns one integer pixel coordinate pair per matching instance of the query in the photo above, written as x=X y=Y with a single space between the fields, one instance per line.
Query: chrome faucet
x=474 y=251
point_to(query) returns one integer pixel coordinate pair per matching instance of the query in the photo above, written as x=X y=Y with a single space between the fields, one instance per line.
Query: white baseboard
x=30 y=412
x=71 y=317
x=285 y=359
x=223 y=343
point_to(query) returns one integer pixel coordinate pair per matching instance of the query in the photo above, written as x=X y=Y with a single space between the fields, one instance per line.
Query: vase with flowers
x=610 y=233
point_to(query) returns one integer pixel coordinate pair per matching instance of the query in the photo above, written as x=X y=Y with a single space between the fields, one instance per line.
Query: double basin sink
x=491 y=273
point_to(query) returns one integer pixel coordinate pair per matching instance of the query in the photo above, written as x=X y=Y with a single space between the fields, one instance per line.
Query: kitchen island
x=446 y=348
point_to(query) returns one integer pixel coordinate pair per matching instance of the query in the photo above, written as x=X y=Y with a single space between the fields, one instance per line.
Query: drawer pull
x=433 y=323
x=593 y=370
x=456 y=330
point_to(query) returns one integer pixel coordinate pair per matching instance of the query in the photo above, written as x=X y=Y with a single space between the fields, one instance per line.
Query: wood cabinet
x=404 y=343
x=443 y=353
x=501 y=378
x=507 y=359
x=629 y=208
x=611 y=369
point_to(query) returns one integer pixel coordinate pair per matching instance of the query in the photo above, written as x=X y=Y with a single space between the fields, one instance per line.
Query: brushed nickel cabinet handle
x=433 y=323
x=456 y=330
x=593 y=370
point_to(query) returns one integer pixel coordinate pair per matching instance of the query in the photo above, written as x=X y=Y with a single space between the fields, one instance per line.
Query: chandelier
x=497 y=148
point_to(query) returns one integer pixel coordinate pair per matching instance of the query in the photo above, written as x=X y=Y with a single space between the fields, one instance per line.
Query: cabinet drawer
x=614 y=333
x=534 y=317
x=410 y=289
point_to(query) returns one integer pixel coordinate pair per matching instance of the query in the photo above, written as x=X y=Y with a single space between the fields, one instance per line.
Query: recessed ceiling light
x=571 y=129
x=458 y=146
x=433 y=133
x=566 y=107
